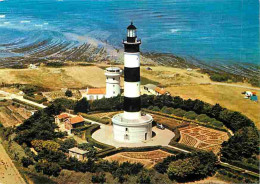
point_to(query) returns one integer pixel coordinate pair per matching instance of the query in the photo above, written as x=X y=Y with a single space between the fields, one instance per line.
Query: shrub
x=178 y=112
x=203 y=118
x=190 y=115
x=143 y=178
x=99 y=178
x=156 y=108
x=217 y=123
x=167 y=110
x=68 y=93
x=26 y=161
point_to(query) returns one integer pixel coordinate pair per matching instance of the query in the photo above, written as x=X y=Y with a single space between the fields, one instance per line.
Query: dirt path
x=8 y=172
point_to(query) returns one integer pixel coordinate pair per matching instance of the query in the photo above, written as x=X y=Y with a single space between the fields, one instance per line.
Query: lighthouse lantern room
x=132 y=126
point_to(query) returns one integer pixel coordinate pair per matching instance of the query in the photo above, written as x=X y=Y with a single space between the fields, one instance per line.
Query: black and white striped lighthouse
x=132 y=126
x=132 y=101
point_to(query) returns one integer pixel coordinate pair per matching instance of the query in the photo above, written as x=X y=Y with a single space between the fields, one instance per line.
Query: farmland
x=11 y=115
x=148 y=158
x=202 y=138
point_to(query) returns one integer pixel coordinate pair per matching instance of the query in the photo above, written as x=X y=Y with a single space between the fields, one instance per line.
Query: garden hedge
x=242 y=165
x=91 y=129
x=93 y=118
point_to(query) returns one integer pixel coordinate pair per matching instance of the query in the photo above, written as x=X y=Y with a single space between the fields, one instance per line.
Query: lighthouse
x=112 y=81
x=131 y=125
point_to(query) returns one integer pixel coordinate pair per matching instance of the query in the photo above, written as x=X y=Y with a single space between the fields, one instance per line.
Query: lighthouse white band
x=132 y=115
x=131 y=60
x=132 y=89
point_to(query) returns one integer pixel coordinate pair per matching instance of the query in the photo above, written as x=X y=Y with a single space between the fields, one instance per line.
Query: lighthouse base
x=134 y=130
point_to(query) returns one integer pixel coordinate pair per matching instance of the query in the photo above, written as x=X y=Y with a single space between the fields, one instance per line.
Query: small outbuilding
x=78 y=153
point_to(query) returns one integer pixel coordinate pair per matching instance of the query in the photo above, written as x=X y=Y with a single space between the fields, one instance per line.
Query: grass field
x=56 y=78
x=192 y=84
x=179 y=82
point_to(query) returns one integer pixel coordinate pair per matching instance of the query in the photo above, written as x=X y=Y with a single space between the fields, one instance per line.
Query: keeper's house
x=74 y=122
x=78 y=153
x=152 y=89
x=93 y=93
x=61 y=118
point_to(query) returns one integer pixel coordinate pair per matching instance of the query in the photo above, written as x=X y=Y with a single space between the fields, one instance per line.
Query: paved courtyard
x=105 y=135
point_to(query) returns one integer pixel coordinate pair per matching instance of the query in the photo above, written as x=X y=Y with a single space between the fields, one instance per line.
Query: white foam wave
x=2 y=16
x=25 y=21
x=38 y=25
x=174 y=30
x=45 y=23
x=6 y=22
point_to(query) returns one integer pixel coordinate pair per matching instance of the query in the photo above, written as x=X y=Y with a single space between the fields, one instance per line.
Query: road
x=231 y=85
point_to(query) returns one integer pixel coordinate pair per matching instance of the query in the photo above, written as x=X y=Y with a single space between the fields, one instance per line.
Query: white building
x=93 y=93
x=113 y=81
x=151 y=89
x=132 y=126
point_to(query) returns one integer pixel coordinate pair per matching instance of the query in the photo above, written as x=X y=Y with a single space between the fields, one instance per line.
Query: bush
x=26 y=161
x=68 y=93
x=143 y=178
x=190 y=115
x=217 y=123
x=203 y=118
x=99 y=178
x=178 y=112
x=156 y=108
x=167 y=110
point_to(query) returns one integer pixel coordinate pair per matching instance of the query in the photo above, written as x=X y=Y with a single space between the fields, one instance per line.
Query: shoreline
x=89 y=52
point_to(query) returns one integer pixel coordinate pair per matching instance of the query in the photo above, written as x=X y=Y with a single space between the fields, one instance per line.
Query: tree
x=143 y=178
x=26 y=161
x=99 y=178
x=215 y=110
x=82 y=106
x=183 y=168
x=65 y=103
x=243 y=144
x=68 y=93
x=67 y=144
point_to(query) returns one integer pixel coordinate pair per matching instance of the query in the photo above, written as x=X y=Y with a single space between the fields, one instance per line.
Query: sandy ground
x=8 y=172
x=209 y=180
x=105 y=135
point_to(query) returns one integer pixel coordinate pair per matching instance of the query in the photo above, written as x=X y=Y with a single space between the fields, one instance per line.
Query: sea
x=212 y=31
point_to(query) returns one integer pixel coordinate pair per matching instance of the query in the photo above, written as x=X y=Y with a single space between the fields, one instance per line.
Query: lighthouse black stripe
x=132 y=104
x=132 y=74
x=132 y=48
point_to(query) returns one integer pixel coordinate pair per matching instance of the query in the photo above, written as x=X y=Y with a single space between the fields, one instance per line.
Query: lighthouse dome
x=131 y=26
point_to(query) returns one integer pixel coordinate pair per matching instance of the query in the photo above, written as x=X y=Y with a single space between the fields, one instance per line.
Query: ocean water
x=225 y=31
